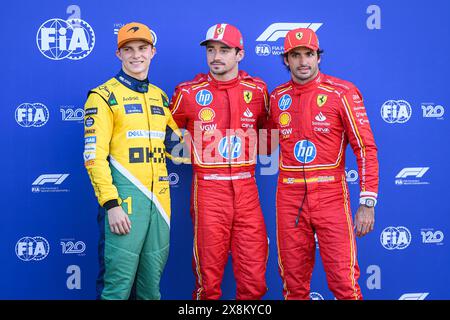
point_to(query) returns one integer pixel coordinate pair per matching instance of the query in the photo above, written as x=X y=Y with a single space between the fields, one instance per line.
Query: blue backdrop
x=53 y=52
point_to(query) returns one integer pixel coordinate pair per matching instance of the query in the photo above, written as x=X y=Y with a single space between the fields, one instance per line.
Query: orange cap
x=301 y=37
x=133 y=31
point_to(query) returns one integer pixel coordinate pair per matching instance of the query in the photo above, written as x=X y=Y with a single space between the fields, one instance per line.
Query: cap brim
x=121 y=44
x=302 y=45
x=204 y=42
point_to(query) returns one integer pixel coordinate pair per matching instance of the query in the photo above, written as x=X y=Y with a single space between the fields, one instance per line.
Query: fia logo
x=32 y=248
x=32 y=115
x=58 y=39
x=263 y=50
x=395 y=238
x=396 y=111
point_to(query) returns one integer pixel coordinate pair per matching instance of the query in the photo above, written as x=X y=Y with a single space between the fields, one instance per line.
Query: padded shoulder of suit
x=160 y=91
x=341 y=86
x=198 y=79
x=254 y=80
x=281 y=88
x=105 y=89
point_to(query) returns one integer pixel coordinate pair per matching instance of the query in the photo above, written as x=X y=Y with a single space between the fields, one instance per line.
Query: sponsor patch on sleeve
x=89 y=122
x=90 y=111
x=88 y=156
x=91 y=139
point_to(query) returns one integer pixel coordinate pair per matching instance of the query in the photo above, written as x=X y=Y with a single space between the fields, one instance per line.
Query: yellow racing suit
x=128 y=129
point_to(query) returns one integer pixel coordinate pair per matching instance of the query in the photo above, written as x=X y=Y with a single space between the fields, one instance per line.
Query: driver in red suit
x=222 y=112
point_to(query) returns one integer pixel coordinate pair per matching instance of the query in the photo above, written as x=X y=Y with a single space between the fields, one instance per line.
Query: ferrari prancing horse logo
x=248 y=95
x=321 y=99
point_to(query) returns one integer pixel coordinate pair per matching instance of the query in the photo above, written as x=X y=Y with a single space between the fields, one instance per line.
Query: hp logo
x=285 y=102
x=305 y=151
x=204 y=97
x=230 y=147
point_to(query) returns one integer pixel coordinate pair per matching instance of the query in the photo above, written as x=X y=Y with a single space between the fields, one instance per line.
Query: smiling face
x=136 y=57
x=222 y=60
x=303 y=64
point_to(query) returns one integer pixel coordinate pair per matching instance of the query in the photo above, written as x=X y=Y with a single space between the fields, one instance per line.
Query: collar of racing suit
x=132 y=83
x=310 y=85
x=223 y=85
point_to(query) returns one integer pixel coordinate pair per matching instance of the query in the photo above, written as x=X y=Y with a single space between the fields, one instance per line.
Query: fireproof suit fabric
x=316 y=121
x=128 y=129
x=222 y=119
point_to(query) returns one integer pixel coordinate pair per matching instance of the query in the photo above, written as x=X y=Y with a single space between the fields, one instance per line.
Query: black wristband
x=111 y=204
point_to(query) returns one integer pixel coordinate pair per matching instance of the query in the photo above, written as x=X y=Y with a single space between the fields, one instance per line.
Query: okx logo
x=32 y=248
x=58 y=39
x=395 y=238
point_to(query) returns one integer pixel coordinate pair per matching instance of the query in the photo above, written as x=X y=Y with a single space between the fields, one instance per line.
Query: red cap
x=301 y=37
x=133 y=31
x=225 y=33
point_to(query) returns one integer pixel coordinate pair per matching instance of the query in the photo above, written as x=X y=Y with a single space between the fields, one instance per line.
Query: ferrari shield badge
x=248 y=95
x=321 y=99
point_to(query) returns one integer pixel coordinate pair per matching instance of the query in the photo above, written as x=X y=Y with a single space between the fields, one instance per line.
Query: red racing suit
x=222 y=121
x=316 y=121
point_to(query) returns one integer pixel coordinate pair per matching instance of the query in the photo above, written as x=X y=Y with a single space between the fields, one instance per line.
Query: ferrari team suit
x=316 y=122
x=128 y=130
x=222 y=121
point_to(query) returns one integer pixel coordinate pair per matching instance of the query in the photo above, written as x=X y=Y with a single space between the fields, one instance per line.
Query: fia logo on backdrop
x=72 y=39
x=396 y=111
x=393 y=238
x=32 y=115
x=32 y=248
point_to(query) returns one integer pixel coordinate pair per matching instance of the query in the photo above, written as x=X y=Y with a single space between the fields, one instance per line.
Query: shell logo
x=284 y=119
x=206 y=114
